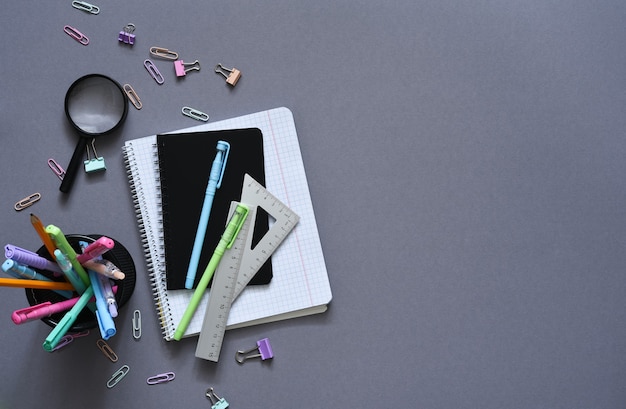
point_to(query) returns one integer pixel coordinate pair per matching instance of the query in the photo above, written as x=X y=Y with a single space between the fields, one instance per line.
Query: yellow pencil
x=45 y=237
x=38 y=284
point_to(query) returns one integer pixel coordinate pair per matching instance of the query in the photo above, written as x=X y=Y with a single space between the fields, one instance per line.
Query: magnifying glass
x=95 y=105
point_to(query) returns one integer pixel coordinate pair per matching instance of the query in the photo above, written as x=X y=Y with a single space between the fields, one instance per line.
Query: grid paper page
x=300 y=284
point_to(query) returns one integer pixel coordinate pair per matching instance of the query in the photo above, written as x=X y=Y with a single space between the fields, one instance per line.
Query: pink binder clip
x=181 y=70
x=263 y=350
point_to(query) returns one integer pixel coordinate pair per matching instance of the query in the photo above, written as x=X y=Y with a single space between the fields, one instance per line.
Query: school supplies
x=38 y=284
x=215 y=181
x=241 y=265
x=183 y=191
x=181 y=68
x=126 y=36
x=300 y=283
x=232 y=75
x=27 y=201
x=226 y=241
x=262 y=350
x=195 y=114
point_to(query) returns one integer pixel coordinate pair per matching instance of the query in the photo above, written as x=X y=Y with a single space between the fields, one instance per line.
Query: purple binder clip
x=263 y=350
x=126 y=36
x=182 y=69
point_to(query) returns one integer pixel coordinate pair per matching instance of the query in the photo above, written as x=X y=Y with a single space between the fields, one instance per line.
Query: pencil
x=38 y=284
x=45 y=237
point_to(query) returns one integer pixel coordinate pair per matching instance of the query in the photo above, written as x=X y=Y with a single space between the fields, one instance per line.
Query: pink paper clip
x=263 y=350
x=56 y=168
x=76 y=35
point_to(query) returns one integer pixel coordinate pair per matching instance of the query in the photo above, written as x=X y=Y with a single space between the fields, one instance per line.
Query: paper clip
x=106 y=350
x=137 y=324
x=126 y=36
x=117 y=376
x=216 y=401
x=195 y=114
x=76 y=35
x=163 y=53
x=132 y=96
x=161 y=378
x=154 y=72
x=84 y=6
x=97 y=163
x=27 y=201
x=56 y=168
x=263 y=350
x=65 y=340
x=232 y=75
x=181 y=70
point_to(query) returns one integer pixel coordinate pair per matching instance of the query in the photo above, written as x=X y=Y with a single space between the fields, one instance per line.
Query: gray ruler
x=241 y=262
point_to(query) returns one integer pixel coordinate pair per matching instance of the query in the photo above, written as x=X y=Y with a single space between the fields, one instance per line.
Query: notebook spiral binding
x=155 y=265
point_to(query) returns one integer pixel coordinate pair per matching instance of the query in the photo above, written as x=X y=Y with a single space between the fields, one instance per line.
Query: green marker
x=52 y=340
x=226 y=241
x=62 y=244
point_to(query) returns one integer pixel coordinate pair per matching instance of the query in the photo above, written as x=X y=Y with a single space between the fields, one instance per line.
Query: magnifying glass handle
x=72 y=168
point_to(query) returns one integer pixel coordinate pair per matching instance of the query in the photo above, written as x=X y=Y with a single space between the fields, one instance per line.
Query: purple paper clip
x=161 y=378
x=65 y=340
x=263 y=350
x=154 y=72
x=76 y=35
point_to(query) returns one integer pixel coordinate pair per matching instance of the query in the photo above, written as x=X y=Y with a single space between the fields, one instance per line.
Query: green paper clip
x=97 y=163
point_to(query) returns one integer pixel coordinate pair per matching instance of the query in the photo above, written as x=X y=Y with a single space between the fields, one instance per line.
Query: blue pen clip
x=222 y=146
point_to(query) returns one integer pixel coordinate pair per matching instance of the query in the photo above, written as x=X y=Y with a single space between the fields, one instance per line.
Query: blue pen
x=215 y=181
x=18 y=270
x=105 y=321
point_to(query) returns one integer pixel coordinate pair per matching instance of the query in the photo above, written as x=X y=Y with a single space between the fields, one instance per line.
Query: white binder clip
x=263 y=350
x=97 y=163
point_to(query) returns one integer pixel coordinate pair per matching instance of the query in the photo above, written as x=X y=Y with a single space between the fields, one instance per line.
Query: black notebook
x=185 y=162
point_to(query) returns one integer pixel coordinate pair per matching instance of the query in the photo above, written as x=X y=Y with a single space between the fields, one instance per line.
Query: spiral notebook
x=300 y=284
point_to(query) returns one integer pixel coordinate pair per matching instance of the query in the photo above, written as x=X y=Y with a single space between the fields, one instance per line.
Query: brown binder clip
x=232 y=75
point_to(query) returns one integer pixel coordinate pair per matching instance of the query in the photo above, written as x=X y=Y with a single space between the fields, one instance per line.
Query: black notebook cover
x=185 y=162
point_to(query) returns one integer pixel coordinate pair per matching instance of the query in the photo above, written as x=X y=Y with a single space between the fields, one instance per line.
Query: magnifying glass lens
x=95 y=105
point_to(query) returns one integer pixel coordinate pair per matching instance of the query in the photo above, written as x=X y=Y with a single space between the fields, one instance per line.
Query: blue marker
x=215 y=181
x=18 y=270
x=105 y=321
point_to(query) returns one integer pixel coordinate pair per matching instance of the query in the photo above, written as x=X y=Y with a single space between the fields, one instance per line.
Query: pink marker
x=45 y=309
x=96 y=249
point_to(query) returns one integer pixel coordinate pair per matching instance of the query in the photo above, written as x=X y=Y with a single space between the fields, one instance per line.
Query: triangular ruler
x=241 y=262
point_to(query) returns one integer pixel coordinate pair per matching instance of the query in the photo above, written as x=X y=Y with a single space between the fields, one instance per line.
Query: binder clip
x=181 y=70
x=126 y=36
x=263 y=348
x=216 y=401
x=232 y=75
x=97 y=163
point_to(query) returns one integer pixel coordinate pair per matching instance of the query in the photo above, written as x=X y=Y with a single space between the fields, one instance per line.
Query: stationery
x=300 y=284
x=230 y=234
x=184 y=167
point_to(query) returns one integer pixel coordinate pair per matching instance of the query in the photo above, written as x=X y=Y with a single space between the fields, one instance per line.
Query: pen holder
x=86 y=320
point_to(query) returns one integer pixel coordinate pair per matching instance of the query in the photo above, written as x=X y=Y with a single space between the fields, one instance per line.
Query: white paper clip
x=84 y=6
x=163 y=53
x=195 y=114
x=56 y=168
x=106 y=350
x=27 y=201
x=161 y=378
x=263 y=350
x=95 y=164
x=181 y=69
x=137 y=324
x=216 y=401
x=117 y=376
x=154 y=72
x=132 y=96
x=232 y=75
x=76 y=35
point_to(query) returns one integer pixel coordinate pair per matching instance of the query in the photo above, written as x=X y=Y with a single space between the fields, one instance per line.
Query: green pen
x=52 y=340
x=226 y=241
x=62 y=244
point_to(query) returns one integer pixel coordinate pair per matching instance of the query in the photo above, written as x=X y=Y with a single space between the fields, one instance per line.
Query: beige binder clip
x=232 y=75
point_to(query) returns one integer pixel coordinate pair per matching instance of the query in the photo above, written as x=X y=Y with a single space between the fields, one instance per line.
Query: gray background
x=465 y=161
